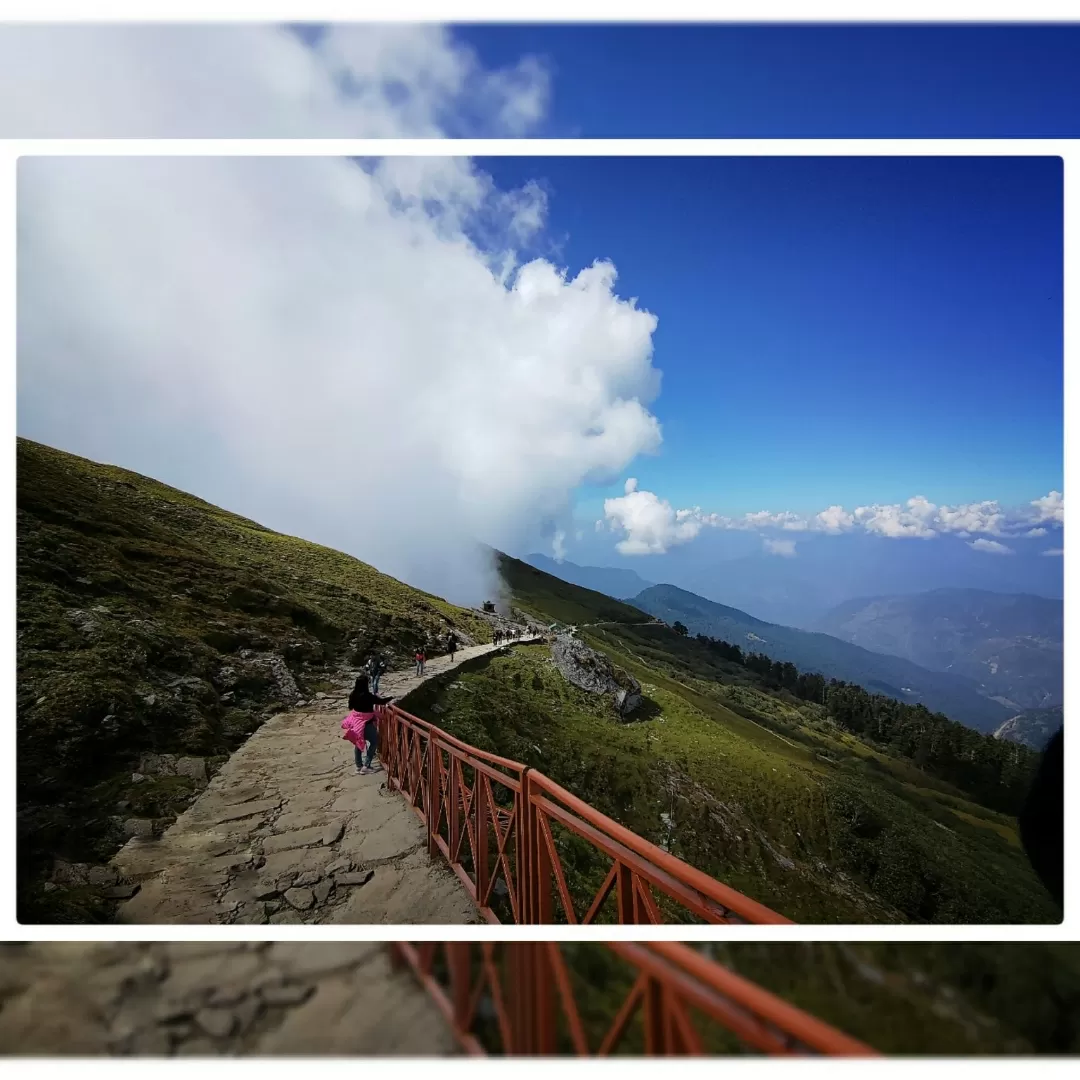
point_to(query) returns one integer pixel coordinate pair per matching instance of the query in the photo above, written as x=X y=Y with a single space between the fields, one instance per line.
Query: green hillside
x=758 y=788
x=956 y=696
x=145 y=619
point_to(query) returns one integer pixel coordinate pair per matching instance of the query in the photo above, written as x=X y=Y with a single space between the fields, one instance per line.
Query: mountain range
x=1009 y=644
x=956 y=696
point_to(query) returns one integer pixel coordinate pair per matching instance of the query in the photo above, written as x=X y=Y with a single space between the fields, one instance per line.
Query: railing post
x=480 y=855
x=532 y=1007
x=624 y=894
x=453 y=814
x=433 y=793
x=457 y=960
x=525 y=851
x=654 y=1018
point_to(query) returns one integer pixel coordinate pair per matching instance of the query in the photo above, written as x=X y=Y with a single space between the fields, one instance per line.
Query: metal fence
x=656 y=998
x=500 y=826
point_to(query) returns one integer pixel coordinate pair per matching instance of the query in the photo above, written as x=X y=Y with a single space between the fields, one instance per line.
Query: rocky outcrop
x=590 y=671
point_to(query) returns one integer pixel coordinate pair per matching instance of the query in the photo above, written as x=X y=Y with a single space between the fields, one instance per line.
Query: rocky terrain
x=189 y=999
x=589 y=670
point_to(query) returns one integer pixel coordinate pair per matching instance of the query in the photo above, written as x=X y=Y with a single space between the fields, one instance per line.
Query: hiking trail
x=207 y=999
x=288 y=831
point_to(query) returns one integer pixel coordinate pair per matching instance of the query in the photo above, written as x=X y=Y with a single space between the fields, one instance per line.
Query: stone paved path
x=288 y=832
x=194 y=998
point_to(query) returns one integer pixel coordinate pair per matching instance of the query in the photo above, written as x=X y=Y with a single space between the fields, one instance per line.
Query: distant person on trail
x=421 y=659
x=498 y=637
x=451 y=646
x=376 y=665
x=361 y=726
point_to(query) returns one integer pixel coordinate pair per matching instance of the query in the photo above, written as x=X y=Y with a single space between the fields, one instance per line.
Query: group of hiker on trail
x=361 y=726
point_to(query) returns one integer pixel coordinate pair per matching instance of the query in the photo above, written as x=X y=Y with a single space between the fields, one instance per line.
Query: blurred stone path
x=287 y=831
x=204 y=999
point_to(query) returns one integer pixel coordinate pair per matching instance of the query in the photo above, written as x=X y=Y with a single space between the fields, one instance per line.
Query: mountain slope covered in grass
x=954 y=695
x=149 y=621
x=764 y=791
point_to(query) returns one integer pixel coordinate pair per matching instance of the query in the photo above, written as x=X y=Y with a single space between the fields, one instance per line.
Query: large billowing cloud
x=322 y=347
x=206 y=81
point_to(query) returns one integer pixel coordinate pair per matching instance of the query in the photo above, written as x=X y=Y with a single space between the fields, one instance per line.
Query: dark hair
x=361 y=686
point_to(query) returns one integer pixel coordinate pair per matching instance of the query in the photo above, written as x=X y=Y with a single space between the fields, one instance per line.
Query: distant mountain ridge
x=954 y=695
x=1009 y=644
x=610 y=580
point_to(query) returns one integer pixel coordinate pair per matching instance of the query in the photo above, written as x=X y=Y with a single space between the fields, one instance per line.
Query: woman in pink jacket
x=360 y=727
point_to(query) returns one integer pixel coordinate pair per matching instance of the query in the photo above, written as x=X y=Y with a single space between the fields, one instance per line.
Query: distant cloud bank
x=651 y=525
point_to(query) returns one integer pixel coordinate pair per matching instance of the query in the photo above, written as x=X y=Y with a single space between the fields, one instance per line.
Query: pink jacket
x=354 y=726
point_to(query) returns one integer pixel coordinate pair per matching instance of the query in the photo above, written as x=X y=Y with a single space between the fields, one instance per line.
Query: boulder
x=590 y=671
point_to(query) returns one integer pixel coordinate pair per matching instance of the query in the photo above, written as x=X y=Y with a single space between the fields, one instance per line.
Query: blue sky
x=814 y=81
x=847 y=331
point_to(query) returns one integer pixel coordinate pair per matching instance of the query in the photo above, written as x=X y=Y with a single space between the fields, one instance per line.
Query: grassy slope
x=169 y=587
x=940 y=998
x=752 y=783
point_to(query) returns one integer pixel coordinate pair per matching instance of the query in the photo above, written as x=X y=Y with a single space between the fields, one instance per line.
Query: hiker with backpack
x=376 y=665
x=361 y=726
x=451 y=646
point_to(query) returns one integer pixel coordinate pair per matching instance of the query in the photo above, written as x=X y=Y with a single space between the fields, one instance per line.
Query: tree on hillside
x=680 y=629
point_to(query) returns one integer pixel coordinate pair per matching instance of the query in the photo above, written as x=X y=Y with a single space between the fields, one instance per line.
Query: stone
x=322 y=891
x=121 y=892
x=309 y=877
x=300 y=899
x=247 y=1012
x=342 y=866
x=361 y=878
x=137 y=778
x=333 y=833
x=140 y=827
x=49 y=886
x=193 y=767
x=173 y=1009
x=285 y=994
x=218 y=1023
x=320 y=696
x=288 y=841
x=266 y=889
x=244 y=810
x=227 y=995
x=151 y=1042
x=157 y=765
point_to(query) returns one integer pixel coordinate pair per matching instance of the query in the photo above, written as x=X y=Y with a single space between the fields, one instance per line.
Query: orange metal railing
x=495 y=821
x=522 y=998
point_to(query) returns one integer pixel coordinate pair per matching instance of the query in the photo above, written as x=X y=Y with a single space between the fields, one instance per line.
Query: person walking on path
x=361 y=726
x=376 y=665
x=421 y=659
x=451 y=646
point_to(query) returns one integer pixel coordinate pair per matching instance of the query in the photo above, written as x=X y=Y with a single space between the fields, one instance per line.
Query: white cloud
x=1050 y=507
x=1035 y=532
x=190 y=81
x=651 y=524
x=558 y=545
x=780 y=547
x=1053 y=551
x=834 y=519
x=992 y=547
x=316 y=345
